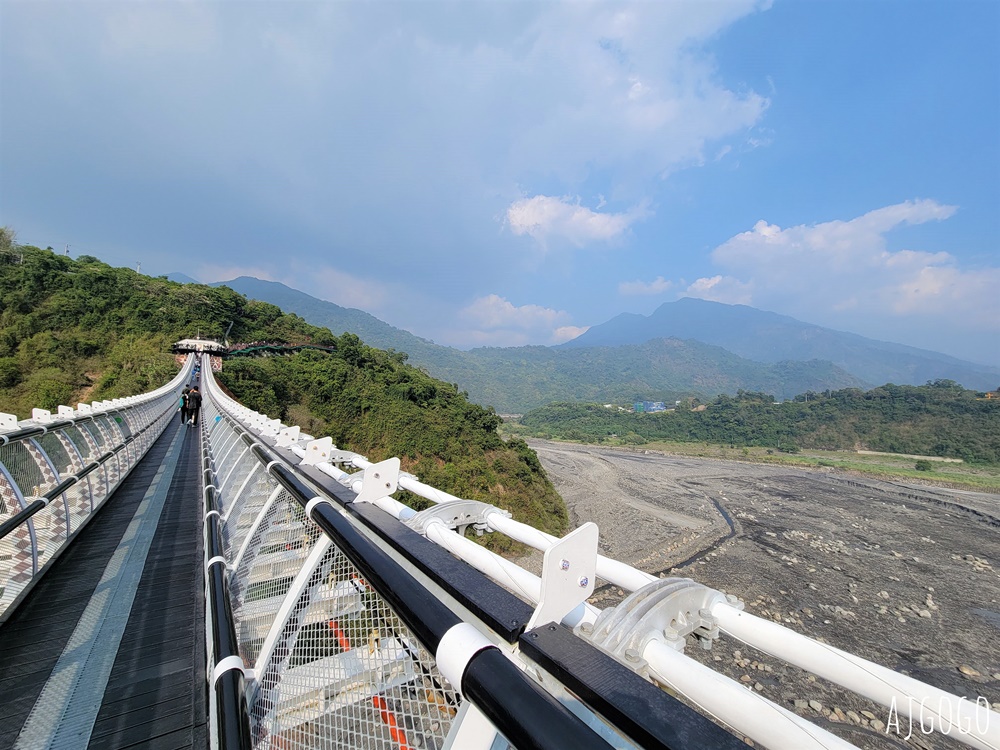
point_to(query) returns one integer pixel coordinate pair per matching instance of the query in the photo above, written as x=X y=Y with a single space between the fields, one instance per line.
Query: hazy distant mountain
x=368 y=328
x=516 y=379
x=181 y=278
x=768 y=337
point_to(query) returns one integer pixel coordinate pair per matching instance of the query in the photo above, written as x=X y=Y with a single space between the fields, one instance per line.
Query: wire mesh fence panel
x=16 y=564
x=100 y=484
x=228 y=449
x=266 y=572
x=240 y=517
x=126 y=457
x=115 y=470
x=348 y=674
x=77 y=499
x=239 y=465
x=17 y=549
x=22 y=468
x=80 y=499
x=60 y=459
x=133 y=418
x=76 y=459
x=82 y=442
x=50 y=530
x=111 y=429
x=96 y=434
x=99 y=427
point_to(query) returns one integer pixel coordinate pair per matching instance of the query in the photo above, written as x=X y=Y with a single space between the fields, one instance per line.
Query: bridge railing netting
x=56 y=470
x=328 y=661
x=333 y=666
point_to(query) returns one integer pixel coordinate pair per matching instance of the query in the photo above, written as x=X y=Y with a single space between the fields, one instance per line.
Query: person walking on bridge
x=183 y=405
x=194 y=405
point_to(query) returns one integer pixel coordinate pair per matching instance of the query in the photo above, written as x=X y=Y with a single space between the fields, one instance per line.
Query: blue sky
x=506 y=173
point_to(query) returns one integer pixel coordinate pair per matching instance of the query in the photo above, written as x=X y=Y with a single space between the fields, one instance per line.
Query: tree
x=8 y=239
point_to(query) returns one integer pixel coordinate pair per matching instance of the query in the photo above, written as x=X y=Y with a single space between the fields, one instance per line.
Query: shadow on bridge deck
x=108 y=650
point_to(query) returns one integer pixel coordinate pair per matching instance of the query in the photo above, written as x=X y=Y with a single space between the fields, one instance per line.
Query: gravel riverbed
x=905 y=576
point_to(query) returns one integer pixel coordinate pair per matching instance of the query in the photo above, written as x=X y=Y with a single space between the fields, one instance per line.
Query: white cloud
x=493 y=311
x=843 y=274
x=659 y=285
x=495 y=321
x=544 y=217
x=722 y=289
x=320 y=120
x=568 y=333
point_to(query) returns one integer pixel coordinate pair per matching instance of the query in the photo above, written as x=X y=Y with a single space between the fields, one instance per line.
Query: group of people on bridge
x=190 y=406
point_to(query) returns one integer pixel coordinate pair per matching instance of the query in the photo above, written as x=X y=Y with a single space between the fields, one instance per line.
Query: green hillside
x=371 y=402
x=80 y=330
x=938 y=419
x=659 y=370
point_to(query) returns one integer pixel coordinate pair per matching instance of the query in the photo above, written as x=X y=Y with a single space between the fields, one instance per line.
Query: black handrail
x=232 y=712
x=513 y=702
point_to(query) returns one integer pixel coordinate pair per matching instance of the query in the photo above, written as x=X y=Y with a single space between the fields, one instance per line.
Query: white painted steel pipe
x=613 y=571
x=921 y=704
x=744 y=710
x=502 y=571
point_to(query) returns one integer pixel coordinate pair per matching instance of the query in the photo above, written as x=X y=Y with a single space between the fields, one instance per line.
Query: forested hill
x=80 y=330
x=938 y=419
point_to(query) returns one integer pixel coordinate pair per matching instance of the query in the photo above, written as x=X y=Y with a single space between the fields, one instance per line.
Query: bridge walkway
x=108 y=650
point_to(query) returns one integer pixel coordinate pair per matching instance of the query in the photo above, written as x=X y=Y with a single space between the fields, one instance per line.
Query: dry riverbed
x=906 y=576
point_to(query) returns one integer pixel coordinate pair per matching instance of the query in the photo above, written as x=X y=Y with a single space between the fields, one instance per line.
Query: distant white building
x=198 y=345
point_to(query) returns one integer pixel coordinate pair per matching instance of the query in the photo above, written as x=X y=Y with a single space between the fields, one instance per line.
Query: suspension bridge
x=240 y=584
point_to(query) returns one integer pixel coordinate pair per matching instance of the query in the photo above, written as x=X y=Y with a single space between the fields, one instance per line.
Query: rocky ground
x=905 y=576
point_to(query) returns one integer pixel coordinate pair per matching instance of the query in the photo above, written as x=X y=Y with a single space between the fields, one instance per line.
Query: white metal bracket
x=318 y=451
x=569 y=568
x=8 y=422
x=379 y=480
x=42 y=416
x=288 y=436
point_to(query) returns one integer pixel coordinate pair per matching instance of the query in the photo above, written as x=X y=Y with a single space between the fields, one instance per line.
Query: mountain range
x=769 y=337
x=687 y=347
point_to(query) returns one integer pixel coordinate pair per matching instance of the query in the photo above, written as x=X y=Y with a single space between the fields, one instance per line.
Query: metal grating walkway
x=108 y=649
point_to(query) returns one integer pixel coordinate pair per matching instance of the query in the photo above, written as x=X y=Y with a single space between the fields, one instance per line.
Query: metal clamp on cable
x=458 y=515
x=666 y=611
